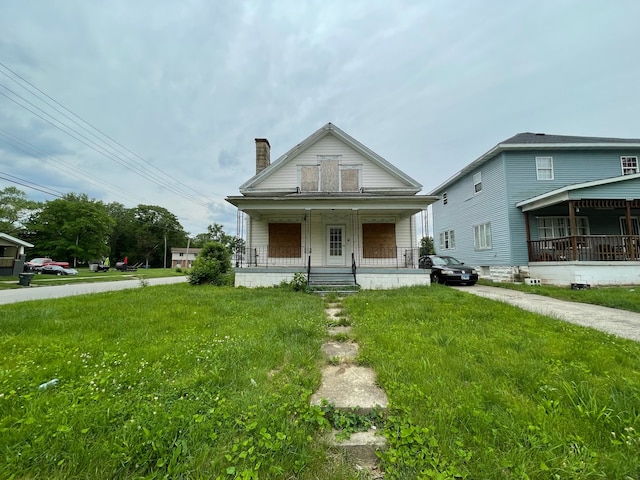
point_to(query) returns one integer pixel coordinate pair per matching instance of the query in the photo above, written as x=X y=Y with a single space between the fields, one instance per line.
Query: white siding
x=372 y=174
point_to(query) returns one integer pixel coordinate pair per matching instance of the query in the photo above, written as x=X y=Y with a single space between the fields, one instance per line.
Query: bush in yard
x=213 y=265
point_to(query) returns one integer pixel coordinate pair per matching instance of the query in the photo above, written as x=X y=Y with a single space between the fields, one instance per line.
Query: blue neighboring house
x=562 y=209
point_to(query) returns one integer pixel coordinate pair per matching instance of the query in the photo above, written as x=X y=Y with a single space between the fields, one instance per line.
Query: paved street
x=57 y=291
x=618 y=322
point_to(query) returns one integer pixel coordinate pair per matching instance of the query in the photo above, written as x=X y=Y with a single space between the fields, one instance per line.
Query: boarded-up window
x=285 y=240
x=329 y=170
x=309 y=179
x=349 y=180
x=379 y=240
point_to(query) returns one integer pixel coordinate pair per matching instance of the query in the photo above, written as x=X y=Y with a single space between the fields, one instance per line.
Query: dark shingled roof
x=527 y=137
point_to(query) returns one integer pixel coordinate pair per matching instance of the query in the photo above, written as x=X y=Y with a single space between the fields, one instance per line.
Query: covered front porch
x=580 y=236
x=375 y=241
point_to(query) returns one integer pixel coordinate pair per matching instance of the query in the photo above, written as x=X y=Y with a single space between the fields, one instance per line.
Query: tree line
x=78 y=229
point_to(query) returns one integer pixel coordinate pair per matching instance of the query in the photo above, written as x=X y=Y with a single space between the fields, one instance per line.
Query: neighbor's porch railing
x=599 y=248
x=384 y=257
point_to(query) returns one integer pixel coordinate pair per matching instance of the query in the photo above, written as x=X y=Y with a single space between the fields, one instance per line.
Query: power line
x=127 y=163
x=28 y=184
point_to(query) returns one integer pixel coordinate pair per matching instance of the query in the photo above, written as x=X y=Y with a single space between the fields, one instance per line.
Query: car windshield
x=446 y=261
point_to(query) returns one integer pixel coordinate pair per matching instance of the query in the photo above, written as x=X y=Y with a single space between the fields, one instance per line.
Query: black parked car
x=447 y=270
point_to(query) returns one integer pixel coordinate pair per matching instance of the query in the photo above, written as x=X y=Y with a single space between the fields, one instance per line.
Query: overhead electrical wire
x=56 y=162
x=113 y=153
x=28 y=184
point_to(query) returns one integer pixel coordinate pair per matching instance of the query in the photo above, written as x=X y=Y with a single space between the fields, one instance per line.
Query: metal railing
x=597 y=248
x=382 y=257
x=354 y=268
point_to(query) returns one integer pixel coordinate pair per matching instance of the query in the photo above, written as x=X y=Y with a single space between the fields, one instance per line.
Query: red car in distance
x=37 y=263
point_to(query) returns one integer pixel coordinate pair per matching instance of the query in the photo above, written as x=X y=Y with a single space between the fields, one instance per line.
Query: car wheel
x=38 y=272
x=435 y=278
x=58 y=273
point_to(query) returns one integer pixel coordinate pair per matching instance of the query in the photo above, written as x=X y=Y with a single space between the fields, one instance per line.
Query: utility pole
x=165 y=249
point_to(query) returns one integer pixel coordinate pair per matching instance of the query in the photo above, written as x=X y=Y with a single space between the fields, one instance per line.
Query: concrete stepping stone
x=360 y=446
x=350 y=387
x=335 y=331
x=343 y=351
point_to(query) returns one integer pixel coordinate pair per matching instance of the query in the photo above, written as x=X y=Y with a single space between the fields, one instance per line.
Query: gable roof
x=322 y=132
x=15 y=240
x=569 y=192
x=539 y=141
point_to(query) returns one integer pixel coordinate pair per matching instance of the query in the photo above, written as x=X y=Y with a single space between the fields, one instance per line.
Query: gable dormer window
x=330 y=175
x=629 y=165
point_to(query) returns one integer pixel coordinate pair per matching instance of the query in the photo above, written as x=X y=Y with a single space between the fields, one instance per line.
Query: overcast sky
x=184 y=87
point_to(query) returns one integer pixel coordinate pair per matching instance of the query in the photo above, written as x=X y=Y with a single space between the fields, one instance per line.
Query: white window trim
x=632 y=169
x=555 y=227
x=482 y=236
x=477 y=182
x=447 y=240
x=544 y=168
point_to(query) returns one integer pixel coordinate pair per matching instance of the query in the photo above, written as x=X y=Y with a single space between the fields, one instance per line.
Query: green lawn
x=204 y=382
x=624 y=298
x=481 y=389
x=85 y=276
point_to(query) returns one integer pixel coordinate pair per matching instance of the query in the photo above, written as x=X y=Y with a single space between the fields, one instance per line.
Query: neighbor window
x=477 y=182
x=447 y=240
x=544 y=168
x=635 y=226
x=482 y=236
x=285 y=240
x=558 y=227
x=629 y=165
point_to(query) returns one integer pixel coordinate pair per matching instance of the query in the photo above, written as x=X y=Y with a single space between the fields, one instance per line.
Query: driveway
x=58 y=291
x=611 y=320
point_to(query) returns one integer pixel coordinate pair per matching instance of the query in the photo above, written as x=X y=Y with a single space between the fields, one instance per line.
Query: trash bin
x=93 y=267
x=24 y=279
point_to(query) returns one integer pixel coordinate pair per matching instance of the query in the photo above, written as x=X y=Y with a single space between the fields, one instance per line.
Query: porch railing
x=384 y=257
x=598 y=248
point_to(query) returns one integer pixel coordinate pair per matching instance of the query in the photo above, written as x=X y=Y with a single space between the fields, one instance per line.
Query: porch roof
x=582 y=191
x=14 y=240
x=408 y=204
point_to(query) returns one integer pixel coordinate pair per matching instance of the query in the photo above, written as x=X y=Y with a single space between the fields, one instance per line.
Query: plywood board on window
x=379 y=240
x=329 y=170
x=349 y=180
x=309 y=178
x=285 y=240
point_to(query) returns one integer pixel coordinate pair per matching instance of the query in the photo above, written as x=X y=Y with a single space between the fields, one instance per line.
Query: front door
x=335 y=245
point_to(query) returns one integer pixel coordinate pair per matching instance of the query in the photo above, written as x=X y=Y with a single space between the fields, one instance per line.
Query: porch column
x=355 y=235
x=528 y=230
x=572 y=225
x=307 y=232
x=629 y=241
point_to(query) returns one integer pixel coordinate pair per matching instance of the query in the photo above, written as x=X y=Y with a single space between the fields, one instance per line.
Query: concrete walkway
x=25 y=294
x=611 y=320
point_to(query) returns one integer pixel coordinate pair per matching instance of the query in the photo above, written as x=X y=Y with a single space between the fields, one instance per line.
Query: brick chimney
x=263 y=154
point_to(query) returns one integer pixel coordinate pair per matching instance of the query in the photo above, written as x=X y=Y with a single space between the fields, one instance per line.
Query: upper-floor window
x=444 y=198
x=482 y=237
x=447 y=240
x=629 y=165
x=329 y=175
x=544 y=168
x=477 y=182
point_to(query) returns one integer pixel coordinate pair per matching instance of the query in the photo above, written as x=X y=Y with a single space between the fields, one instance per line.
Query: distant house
x=184 y=257
x=561 y=209
x=12 y=255
x=329 y=205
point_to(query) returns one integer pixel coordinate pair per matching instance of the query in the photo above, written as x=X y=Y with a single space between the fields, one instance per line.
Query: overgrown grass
x=480 y=389
x=624 y=298
x=163 y=382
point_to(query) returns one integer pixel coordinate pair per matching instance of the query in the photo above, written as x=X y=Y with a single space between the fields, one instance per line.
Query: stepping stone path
x=352 y=389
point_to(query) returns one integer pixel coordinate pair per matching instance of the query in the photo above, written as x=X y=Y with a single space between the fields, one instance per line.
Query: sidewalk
x=611 y=320
x=58 y=291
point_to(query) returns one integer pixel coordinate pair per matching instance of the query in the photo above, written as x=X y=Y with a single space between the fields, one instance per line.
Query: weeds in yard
x=479 y=389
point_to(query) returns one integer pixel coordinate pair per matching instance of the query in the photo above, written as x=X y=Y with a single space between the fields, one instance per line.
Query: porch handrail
x=585 y=248
x=308 y=268
x=353 y=268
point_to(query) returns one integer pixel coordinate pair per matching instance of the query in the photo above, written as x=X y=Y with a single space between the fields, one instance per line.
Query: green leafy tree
x=426 y=246
x=122 y=241
x=73 y=228
x=14 y=210
x=213 y=265
x=156 y=228
x=215 y=233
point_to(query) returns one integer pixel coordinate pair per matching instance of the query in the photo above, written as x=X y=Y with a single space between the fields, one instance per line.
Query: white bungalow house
x=330 y=206
x=12 y=255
